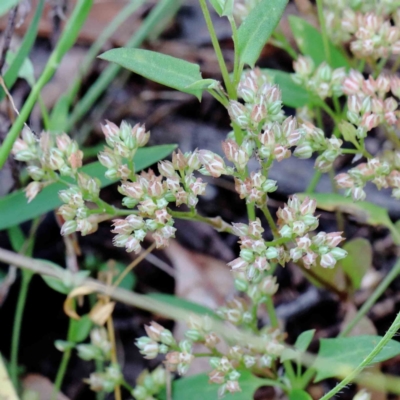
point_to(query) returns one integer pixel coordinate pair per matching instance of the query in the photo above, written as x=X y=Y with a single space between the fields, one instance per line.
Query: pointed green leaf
x=293 y=95
x=358 y=260
x=15 y=209
x=217 y=6
x=349 y=352
x=6 y=5
x=161 y=68
x=80 y=329
x=304 y=340
x=310 y=43
x=17 y=238
x=256 y=29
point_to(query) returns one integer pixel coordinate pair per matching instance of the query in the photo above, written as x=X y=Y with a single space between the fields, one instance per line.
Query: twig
x=12 y=17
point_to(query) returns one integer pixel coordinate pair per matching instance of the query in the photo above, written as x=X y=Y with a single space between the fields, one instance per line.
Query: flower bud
x=68 y=227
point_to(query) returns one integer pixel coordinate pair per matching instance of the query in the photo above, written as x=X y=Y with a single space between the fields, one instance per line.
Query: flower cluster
x=313 y=139
x=380 y=172
x=123 y=142
x=366 y=24
x=98 y=349
x=322 y=82
x=369 y=103
x=46 y=155
x=149 y=384
x=263 y=103
x=105 y=381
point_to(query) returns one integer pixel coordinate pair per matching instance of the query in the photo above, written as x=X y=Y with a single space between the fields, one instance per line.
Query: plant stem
x=16 y=333
x=325 y=38
x=314 y=181
x=214 y=40
x=236 y=67
x=270 y=221
x=271 y=312
x=390 y=277
x=67 y=39
x=62 y=369
x=367 y=360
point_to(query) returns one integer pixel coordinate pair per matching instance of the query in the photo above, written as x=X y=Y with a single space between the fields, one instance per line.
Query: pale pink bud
x=173 y=184
x=238 y=264
x=352 y=84
x=303 y=66
x=383 y=83
x=328 y=261
x=135 y=221
x=233 y=386
x=162 y=216
x=354 y=104
x=240 y=229
x=344 y=181
x=140 y=134
x=333 y=239
x=121 y=226
x=84 y=226
x=309 y=259
x=258 y=113
x=230 y=149
x=19 y=145
x=214 y=164
x=155 y=188
x=181 y=197
x=147 y=206
x=160 y=240
x=68 y=227
x=193 y=161
x=166 y=169
x=255 y=228
x=303 y=242
x=394 y=179
x=370 y=121
x=308 y=206
x=281 y=152
x=395 y=85
x=238 y=113
x=358 y=194
x=216 y=377
x=75 y=159
x=198 y=188
x=168 y=231
x=56 y=160
x=369 y=86
x=133 y=189
x=111 y=132
x=261 y=263
x=154 y=331
x=32 y=190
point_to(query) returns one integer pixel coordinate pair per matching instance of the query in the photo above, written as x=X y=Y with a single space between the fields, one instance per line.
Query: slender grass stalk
x=66 y=41
x=389 y=278
x=325 y=38
x=105 y=79
x=16 y=332
x=96 y=47
x=217 y=48
x=27 y=249
x=62 y=369
x=367 y=360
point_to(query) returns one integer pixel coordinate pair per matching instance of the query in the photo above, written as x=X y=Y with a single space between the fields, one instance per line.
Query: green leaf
x=182 y=303
x=16 y=210
x=363 y=211
x=349 y=352
x=358 y=260
x=6 y=5
x=203 y=84
x=298 y=394
x=217 y=6
x=17 y=238
x=257 y=28
x=304 y=340
x=80 y=329
x=310 y=43
x=161 y=68
x=293 y=95
x=11 y=74
x=59 y=115
x=128 y=282
x=196 y=387
x=26 y=71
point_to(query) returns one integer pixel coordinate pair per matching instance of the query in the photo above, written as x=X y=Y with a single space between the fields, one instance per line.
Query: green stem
x=325 y=38
x=270 y=221
x=16 y=333
x=67 y=39
x=236 y=67
x=214 y=40
x=271 y=312
x=314 y=181
x=367 y=360
x=390 y=277
x=306 y=378
x=218 y=224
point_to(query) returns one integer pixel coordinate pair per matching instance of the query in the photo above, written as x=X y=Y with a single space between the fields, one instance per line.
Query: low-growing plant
x=344 y=87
